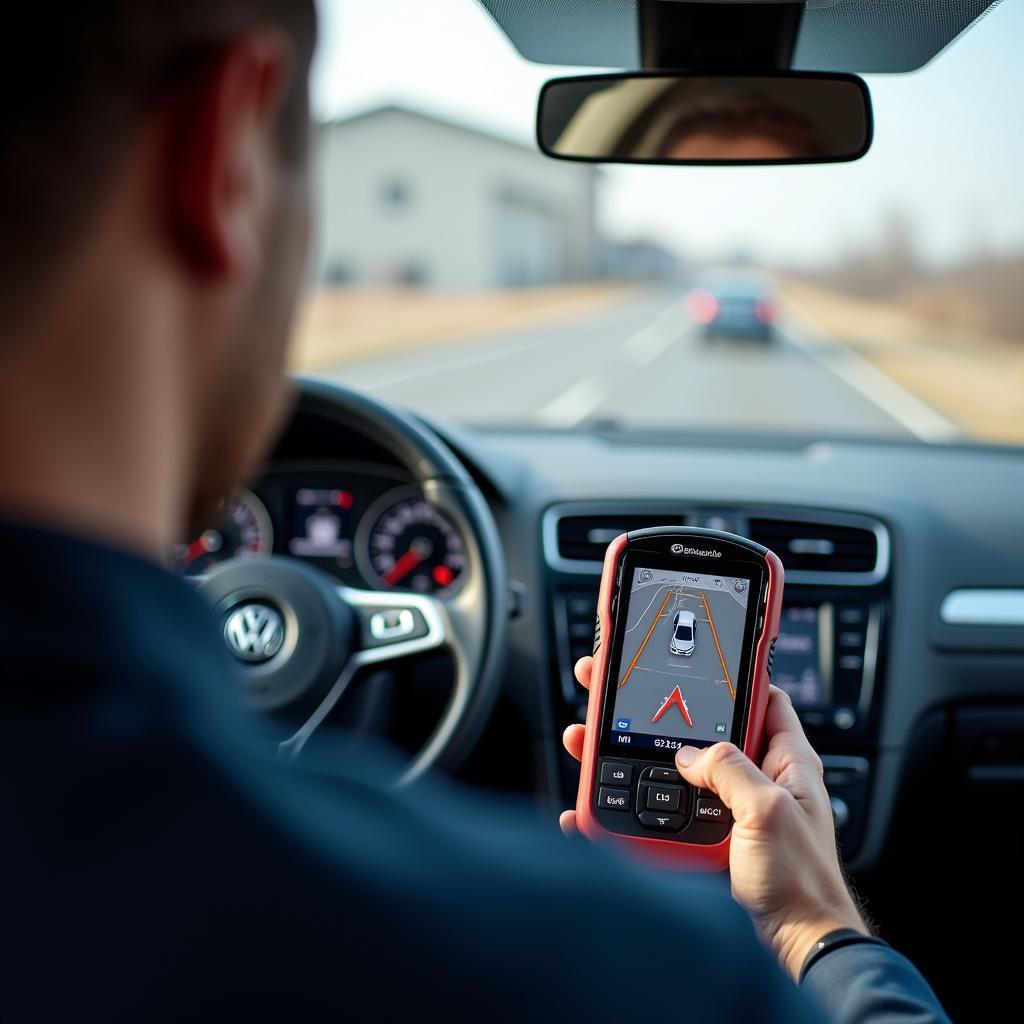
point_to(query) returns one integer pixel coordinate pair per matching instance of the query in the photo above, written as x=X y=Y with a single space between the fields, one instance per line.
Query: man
x=156 y=867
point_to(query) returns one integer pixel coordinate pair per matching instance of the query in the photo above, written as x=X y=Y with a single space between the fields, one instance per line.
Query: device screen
x=678 y=676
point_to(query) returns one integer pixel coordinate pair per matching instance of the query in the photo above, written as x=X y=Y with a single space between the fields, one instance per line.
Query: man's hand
x=783 y=860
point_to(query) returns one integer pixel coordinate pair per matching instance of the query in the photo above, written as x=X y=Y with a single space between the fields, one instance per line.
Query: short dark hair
x=80 y=80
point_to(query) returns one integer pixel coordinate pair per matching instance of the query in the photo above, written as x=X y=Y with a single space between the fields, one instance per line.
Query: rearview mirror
x=659 y=118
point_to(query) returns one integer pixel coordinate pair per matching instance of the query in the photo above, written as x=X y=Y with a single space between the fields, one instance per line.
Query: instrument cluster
x=367 y=526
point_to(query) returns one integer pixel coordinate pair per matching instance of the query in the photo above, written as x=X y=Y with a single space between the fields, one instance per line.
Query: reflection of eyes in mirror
x=686 y=118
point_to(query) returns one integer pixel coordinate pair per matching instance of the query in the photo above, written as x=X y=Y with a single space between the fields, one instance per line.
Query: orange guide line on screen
x=640 y=649
x=718 y=646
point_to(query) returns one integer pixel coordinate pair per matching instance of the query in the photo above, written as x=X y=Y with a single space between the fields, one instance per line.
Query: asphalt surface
x=650 y=672
x=643 y=363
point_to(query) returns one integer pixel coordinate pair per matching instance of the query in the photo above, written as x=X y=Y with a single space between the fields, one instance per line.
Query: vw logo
x=254 y=632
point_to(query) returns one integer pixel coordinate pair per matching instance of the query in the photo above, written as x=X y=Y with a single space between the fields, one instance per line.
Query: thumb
x=727 y=771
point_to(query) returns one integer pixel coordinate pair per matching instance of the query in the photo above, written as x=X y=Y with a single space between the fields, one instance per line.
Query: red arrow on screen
x=674 y=698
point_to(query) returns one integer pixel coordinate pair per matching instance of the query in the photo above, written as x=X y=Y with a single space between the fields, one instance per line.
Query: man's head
x=154 y=195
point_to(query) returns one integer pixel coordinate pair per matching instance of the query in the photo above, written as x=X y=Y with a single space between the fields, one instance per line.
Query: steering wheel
x=302 y=639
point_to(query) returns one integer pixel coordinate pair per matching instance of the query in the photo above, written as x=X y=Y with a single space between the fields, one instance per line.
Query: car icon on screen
x=684 y=627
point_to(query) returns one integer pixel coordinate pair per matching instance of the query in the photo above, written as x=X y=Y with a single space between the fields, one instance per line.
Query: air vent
x=818 y=547
x=584 y=538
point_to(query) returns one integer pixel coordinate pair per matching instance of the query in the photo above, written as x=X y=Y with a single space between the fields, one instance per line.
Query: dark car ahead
x=738 y=304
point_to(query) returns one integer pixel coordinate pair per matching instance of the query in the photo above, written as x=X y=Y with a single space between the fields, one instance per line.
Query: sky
x=948 y=149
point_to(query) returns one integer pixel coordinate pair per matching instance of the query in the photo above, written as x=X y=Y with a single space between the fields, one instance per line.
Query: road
x=643 y=363
x=706 y=678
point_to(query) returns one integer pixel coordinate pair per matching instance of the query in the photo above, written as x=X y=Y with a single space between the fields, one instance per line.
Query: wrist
x=795 y=940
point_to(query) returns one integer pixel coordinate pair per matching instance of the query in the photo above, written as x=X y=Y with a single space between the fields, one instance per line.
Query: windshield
x=463 y=274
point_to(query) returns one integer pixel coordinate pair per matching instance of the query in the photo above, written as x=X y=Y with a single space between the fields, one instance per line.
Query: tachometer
x=245 y=531
x=413 y=546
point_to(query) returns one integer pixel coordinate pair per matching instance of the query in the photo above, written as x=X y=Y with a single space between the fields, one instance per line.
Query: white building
x=410 y=198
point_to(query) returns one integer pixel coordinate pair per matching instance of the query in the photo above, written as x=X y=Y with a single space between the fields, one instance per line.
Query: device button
x=616 y=774
x=613 y=799
x=661 y=799
x=662 y=822
x=712 y=810
x=666 y=775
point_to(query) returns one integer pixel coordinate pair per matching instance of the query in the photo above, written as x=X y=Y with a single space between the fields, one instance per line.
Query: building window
x=337 y=273
x=411 y=275
x=395 y=194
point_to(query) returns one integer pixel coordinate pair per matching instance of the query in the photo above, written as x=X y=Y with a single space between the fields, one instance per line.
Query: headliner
x=834 y=35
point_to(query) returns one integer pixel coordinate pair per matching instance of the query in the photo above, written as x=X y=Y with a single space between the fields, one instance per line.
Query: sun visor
x=860 y=36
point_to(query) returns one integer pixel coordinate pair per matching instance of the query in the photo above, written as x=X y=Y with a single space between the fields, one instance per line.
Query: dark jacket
x=158 y=867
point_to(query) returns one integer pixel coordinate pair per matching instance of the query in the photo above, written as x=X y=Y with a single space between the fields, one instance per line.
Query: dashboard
x=367 y=525
x=901 y=642
x=902 y=638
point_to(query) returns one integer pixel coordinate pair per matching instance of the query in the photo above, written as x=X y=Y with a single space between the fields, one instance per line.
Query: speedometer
x=244 y=530
x=413 y=546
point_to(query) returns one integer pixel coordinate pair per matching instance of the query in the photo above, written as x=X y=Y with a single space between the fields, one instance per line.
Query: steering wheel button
x=613 y=799
x=392 y=624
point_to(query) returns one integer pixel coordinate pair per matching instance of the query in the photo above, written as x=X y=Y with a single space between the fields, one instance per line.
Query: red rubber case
x=669 y=852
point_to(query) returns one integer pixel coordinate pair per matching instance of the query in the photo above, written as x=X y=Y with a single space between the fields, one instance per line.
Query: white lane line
x=892 y=398
x=452 y=357
x=448 y=363
x=574 y=404
x=667 y=328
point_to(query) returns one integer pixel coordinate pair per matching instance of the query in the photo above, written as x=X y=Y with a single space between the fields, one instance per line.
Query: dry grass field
x=939 y=350
x=343 y=325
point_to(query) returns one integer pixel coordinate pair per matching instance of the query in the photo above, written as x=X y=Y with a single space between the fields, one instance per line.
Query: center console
x=830 y=649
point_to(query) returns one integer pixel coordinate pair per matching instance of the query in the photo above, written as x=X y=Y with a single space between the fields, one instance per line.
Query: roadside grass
x=974 y=378
x=344 y=325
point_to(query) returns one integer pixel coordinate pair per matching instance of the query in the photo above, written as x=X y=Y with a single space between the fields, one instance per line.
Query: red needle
x=195 y=549
x=404 y=566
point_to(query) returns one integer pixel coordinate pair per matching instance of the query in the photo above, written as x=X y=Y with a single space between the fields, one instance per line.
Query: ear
x=221 y=154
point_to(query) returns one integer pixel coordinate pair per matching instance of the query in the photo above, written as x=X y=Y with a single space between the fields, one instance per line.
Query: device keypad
x=661 y=802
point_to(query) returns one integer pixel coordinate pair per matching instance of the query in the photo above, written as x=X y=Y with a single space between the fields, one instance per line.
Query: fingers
x=787 y=743
x=726 y=770
x=583 y=669
x=572 y=740
x=567 y=823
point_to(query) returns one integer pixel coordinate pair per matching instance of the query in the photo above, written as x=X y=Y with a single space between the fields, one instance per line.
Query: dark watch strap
x=835 y=940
